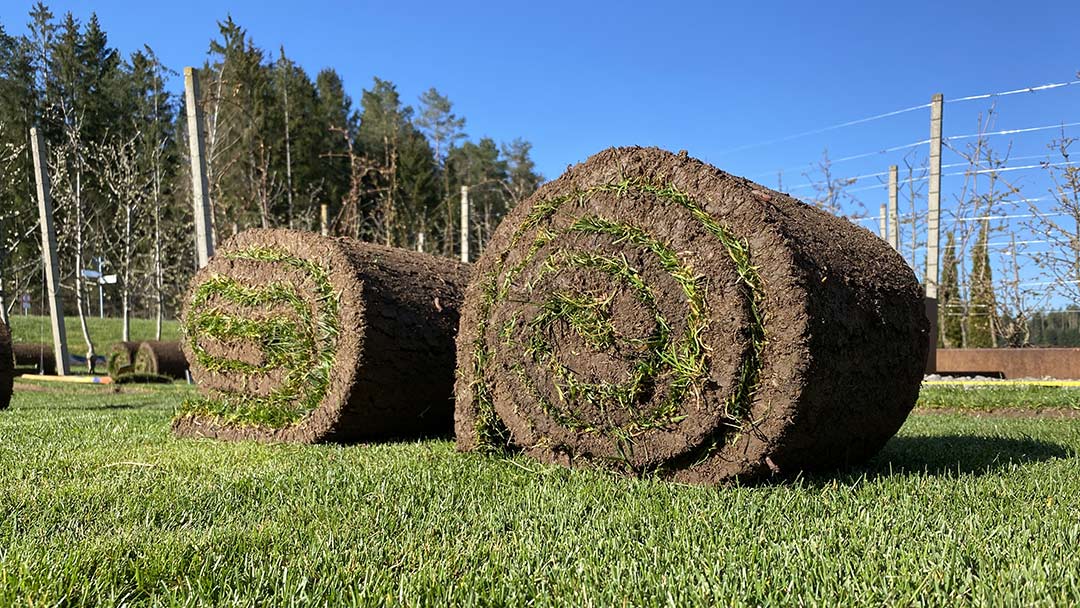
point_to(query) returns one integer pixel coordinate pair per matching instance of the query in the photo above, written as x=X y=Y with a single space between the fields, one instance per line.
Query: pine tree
x=980 y=320
x=950 y=316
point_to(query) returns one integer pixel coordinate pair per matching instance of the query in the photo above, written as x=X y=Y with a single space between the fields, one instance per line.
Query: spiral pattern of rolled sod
x=297 y=337
x=7 y=366
x=121 y=355
x=651 y=313
x=160 y=358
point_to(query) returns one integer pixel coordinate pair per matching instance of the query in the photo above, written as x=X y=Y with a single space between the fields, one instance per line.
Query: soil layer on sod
x=294 y=336
x=653 y=314
x=38 y=357
x=121 y=355
x=7 y=366
x=161 y=358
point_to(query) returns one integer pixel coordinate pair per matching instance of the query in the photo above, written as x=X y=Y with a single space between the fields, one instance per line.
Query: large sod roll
x=38 y=357
x=160 y=358
x=7 y=366
x=651 y=313
x=294 y=336
x=121 y=355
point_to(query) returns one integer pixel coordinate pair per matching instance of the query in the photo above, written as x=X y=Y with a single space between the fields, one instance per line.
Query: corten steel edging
x=1062 y=363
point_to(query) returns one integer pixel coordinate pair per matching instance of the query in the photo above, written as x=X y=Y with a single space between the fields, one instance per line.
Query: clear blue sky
x=576 y=77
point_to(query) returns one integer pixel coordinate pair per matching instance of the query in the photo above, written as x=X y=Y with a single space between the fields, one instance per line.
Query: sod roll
x=7 y=366
x=121 y=355
x=38 y=357
x=161 y=358
x=651 y=313
x=294 y=336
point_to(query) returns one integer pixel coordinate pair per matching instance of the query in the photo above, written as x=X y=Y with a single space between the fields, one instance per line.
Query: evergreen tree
x=950 y=308
x=980 y=320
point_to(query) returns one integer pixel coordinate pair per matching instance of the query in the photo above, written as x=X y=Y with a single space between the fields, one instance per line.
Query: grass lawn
x=983 y=397
x=104 y=332
x=99 y=505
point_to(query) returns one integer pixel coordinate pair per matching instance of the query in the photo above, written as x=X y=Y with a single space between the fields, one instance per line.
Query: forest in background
x=279 y=145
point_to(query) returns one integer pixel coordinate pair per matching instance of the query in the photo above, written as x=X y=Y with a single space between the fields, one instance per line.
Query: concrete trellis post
x=894 y=220
x=881 y=222
x=200 y=186
x=465 y=224
x=48 y=252
x=324 y=219
x=933 y=234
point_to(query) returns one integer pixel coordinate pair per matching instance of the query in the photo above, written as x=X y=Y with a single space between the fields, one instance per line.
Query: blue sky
x=708 y=77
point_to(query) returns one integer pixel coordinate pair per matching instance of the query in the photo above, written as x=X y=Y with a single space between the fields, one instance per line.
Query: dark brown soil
x=393 y=371
x=120 y=355
x=38 y=357
x=164 y=358
x=845 y=334
x=7 y=366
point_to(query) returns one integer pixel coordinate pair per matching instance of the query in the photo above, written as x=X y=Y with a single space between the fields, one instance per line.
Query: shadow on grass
x=951 y=455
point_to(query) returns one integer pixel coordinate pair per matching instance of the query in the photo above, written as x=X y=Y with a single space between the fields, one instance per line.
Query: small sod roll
x=38 y=357
x=7 y=366
x=121 y=355
x=293 y=336
x=650 y=313
x=160 y=358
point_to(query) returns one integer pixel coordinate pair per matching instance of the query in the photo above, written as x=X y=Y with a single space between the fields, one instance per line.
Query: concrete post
x=324 y=219
x=881 y=223
x=200 y=186
x=933 y=234
x=465 y=224
x=48 y=253
x=894 y=219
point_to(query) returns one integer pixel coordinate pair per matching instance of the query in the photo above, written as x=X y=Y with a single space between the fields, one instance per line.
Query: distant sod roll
x=121 y=355
x=650 y=313
x=34 y=356
x=7 y=366
x=160 y=358
x=298 y=337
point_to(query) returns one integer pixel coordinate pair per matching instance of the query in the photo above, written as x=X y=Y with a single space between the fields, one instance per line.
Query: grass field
x=104 y=332
x=99 y=505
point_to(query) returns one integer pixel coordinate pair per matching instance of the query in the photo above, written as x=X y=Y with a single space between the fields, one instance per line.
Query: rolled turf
x=121 y=355
x=38 y=357
x=7 y=366
x=160 y=358
x=294 y=336
x=653 y=314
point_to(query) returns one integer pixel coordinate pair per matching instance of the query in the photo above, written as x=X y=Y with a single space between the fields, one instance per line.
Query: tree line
x=279 y=146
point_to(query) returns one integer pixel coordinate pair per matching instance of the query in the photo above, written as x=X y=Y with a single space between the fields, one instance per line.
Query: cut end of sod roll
x=293 y=336
x=650 y=313
x=160 y=358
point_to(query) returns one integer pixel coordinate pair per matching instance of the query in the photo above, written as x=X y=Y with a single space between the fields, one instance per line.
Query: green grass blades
x=303 y=343
x=100 y=506
x=989 y=397
x=679 y=361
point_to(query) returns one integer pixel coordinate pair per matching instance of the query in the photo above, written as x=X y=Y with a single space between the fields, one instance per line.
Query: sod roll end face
x=121 y=355
x=7 y=366
x=653 y=314
x=294 y=336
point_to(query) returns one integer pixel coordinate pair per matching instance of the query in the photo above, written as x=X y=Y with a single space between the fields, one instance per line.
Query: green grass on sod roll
x=305 y=350
x=684 y=360
x=99 y=505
